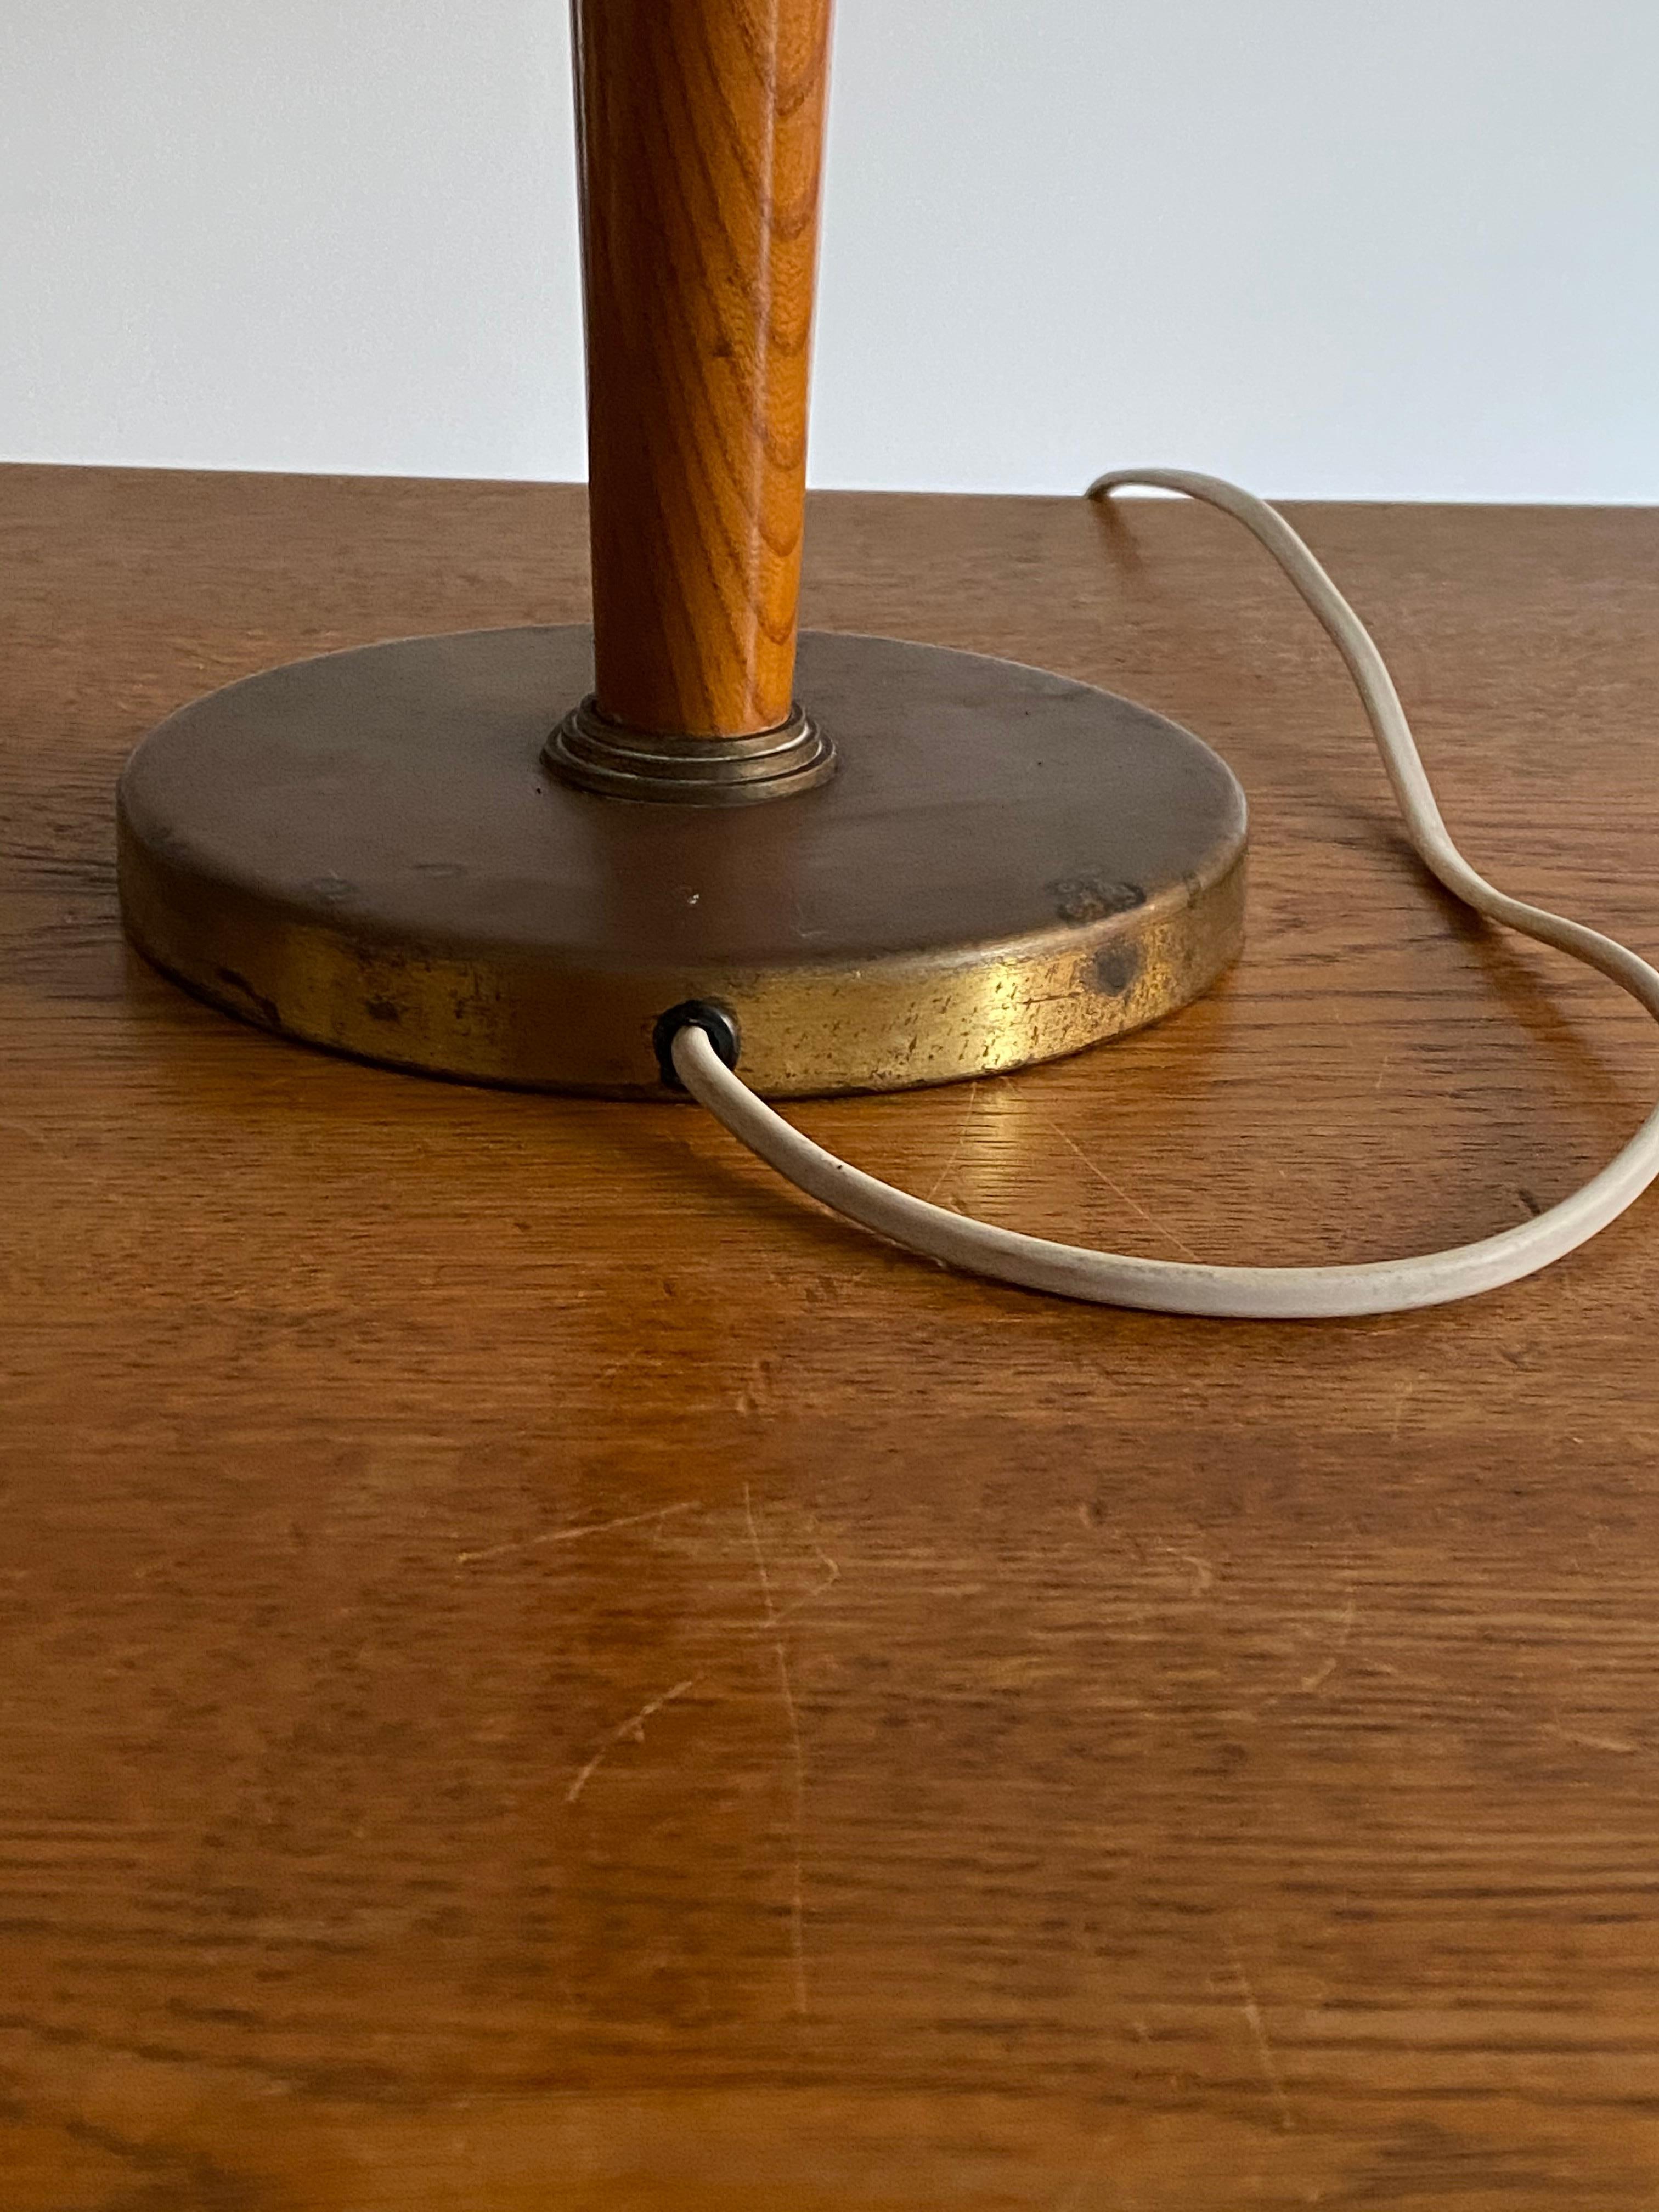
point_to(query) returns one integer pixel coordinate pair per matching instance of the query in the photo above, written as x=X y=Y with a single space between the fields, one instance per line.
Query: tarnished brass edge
x=506 y=1017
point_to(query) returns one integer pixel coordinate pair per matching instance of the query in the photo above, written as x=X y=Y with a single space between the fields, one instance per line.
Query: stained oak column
x=701 y=143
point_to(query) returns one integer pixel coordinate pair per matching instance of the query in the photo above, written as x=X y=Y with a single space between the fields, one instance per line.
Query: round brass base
x=367 y=852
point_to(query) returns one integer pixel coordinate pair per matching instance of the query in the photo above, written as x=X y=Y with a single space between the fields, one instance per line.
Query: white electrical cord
x=1240 y=1293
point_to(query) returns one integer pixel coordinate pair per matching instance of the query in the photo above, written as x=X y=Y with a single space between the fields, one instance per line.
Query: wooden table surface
x=538 y=1671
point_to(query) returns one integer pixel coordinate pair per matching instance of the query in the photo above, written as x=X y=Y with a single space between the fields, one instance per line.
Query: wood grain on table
x=538 y=1671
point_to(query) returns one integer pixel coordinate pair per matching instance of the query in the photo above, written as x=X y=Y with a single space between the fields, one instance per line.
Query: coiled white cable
x=1240 y=1293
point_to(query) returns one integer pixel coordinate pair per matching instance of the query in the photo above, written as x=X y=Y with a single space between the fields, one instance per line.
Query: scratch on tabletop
x=1438 y=1687
x=786 y=1691
x=1401 y=1410
x=1322 y=1673
x=633 y=1729
x=1258 y=2027
x=1118 y=1192
x=831 y=1576
x=757 y=1395
x=575 y=1534
x=1202 y=1572
x=946 y=1171
x=1591 y=1741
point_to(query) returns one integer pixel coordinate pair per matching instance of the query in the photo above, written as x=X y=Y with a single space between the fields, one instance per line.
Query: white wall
x=1368 y=248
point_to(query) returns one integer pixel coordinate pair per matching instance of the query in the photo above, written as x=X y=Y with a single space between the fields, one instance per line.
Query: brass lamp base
x=369 y=853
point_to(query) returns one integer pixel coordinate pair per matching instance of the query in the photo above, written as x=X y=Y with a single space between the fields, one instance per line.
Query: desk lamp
x=687 y=851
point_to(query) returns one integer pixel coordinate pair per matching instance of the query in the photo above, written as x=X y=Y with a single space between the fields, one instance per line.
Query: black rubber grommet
x=717 y=1024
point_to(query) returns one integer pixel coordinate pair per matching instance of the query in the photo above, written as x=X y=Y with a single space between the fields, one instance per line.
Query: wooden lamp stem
x=700 y=127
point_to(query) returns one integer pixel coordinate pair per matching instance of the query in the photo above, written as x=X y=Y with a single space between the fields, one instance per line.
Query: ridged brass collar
x=589 y=750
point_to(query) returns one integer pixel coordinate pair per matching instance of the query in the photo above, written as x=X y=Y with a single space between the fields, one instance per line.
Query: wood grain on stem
x=702 y=126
